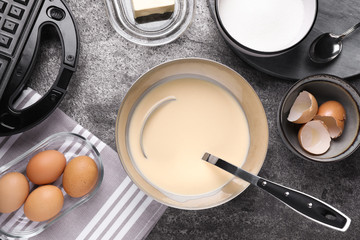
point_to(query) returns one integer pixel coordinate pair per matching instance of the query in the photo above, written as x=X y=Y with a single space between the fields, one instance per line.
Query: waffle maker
x=21 y=25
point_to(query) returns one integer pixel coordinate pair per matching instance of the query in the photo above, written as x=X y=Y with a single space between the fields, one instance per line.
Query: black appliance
x=21 y=25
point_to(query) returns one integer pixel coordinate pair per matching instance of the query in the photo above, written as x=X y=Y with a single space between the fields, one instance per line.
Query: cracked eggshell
x=333 y=114
x=314 y=137
x=303 y=109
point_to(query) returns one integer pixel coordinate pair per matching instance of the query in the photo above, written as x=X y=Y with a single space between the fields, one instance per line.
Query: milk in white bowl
x=267 y=25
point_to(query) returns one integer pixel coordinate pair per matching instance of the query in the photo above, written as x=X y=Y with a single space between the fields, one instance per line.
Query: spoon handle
x=350 y=30
x=307 y=205
x=302 y=203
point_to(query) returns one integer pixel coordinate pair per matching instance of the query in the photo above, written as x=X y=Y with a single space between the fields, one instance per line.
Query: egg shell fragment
x=333 y=114
x=14 y=189
x=45 y=167
x=80 y=176
x=314 y=137
x=44 y=203
x=303 y=109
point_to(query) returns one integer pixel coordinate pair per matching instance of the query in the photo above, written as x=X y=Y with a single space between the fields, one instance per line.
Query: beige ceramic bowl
x=230 y=80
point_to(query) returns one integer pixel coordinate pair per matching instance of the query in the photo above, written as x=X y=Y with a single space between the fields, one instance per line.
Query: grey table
x=109 y=64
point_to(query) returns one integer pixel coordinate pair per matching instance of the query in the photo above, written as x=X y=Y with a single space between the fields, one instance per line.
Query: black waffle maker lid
x=21 y=25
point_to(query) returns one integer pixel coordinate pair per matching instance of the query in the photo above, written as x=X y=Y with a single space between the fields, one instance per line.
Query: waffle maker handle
x=12 y=120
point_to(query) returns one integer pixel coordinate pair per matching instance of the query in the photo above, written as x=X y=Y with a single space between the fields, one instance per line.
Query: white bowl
x=265 y=28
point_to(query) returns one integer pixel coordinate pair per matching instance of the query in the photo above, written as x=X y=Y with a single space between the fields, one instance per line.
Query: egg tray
x=16 y=224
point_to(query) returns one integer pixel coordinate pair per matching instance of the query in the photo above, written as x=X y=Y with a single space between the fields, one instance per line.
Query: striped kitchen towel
x=119 y=210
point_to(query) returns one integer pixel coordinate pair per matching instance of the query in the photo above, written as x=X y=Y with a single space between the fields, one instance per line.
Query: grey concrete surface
x=109 y=64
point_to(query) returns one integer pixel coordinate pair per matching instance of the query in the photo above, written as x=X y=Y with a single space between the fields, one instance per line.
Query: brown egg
x=14 y=189
x=80 y=176
x=314 y=137
x=43 y=203
x=303 y=109
x=333 y=114
x=45 y=167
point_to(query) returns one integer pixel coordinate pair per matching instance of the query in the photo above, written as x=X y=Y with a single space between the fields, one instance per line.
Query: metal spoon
x=328 y=46
x=304 y=204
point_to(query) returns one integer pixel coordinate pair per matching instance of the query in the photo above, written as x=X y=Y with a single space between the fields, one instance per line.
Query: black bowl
x=324 y=88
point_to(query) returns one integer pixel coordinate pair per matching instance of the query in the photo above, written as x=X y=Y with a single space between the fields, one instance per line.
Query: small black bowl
x=324 y=88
